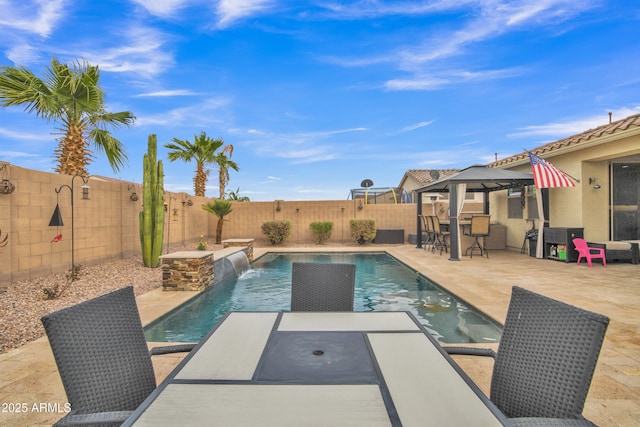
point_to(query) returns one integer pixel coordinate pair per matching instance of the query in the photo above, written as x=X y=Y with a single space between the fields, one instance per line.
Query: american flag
x=545 y=175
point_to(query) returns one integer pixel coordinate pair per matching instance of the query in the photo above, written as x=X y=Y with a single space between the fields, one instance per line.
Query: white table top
x=406 y=379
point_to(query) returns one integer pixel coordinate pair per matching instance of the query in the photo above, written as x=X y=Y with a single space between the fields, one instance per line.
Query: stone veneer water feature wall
x=197 y=270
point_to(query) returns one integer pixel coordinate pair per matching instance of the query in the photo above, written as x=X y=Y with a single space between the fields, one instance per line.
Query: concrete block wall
x=106 y=225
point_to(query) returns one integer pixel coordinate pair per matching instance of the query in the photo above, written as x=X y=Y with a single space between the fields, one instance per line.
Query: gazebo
x=473 y=179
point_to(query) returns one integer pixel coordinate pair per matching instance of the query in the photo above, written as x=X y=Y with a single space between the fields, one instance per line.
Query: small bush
x=362 y=230
x=202 y=245
x=276 y=231
x=321 y=231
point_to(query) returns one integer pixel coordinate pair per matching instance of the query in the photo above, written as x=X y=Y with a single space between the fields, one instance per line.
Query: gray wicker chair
x=322 y=287
x=545 y=360
x=103 y=358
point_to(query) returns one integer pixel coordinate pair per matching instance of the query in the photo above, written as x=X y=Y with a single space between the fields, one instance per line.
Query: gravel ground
x=22 y=304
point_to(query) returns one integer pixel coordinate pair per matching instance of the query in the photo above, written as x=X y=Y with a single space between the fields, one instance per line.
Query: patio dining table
x=318 y=369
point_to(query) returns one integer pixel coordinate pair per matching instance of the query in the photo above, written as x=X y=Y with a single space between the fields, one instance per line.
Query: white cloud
x=32 y=16
x=573 y=127
x=166 y=93
x=141 y=51
x=198 y=114
x=229 y=11
x=163 y=8
x=25 y=136
x=416 y=126
x=22 y=54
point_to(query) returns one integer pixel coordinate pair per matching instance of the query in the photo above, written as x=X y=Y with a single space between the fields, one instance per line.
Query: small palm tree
x=202 y=150
x=219 y=208
x=235 y=196
x=224 y=163
x=71 y=96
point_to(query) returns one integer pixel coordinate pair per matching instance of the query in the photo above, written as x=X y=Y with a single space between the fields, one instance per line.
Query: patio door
x=625 y=201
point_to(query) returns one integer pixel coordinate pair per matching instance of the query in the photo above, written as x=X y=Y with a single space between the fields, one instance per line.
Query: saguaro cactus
x=152 y=214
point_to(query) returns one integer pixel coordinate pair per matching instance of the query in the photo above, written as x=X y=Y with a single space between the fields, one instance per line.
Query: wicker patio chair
x=545 y=361
x=103 y=358
x=322 y=287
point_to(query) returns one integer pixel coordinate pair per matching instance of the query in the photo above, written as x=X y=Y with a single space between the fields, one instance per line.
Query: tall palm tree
x=224 y=163
x=72 y=97
x=202 y=150
x=219 y=208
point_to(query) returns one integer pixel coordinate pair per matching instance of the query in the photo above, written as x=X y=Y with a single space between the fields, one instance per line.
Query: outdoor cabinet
x=497 y=238
x=557 y=237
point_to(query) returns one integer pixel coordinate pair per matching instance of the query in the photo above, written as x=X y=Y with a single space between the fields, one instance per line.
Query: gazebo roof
x=480 y=179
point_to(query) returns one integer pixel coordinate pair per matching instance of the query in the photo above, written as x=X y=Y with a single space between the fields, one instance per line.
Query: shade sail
x=480 y=179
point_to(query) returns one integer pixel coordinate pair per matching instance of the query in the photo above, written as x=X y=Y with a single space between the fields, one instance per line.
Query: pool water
x=382 y=284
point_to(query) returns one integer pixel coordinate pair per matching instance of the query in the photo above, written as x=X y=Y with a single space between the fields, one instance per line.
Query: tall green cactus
x=152 y=215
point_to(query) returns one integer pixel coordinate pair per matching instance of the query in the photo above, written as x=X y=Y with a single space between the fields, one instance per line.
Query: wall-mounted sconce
x=360 y=205
x=175 y=214
x=187 y=202
x=6 y=187
x=594 y=181
x=278 y=206
x=133 y=196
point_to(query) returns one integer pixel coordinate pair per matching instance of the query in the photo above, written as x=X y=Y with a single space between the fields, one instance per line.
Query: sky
x=316 y=96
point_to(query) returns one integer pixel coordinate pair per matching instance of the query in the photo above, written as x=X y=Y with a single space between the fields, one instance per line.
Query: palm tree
x=224 y=163
x=235 y=196
x=202 y=150
x=72 y=97
x=219 y=208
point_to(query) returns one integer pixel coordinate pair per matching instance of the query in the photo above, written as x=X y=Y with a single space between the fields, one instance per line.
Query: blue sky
x=316 y=96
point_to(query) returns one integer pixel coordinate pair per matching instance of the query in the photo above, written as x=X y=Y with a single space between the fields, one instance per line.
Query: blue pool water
x=382 y=283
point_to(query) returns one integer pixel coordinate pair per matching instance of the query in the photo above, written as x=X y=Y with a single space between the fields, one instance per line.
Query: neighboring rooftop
x=427 y=176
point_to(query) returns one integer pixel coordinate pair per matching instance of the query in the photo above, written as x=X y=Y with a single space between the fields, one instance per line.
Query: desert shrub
x=321 y=231
x=276 y=231
x=362 y=230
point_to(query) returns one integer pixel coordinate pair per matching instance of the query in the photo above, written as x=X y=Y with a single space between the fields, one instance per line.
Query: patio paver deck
x=28 y=374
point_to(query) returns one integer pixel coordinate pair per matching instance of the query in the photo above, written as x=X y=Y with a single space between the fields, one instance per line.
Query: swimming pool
x=382 y=283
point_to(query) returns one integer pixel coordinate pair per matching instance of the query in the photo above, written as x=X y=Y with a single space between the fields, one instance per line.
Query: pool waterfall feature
x=231 y=265
x=198 y=270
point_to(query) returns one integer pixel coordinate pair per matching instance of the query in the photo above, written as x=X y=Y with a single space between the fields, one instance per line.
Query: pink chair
x=584 y=251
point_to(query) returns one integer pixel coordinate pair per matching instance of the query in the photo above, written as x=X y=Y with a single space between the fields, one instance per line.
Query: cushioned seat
x=620 y=250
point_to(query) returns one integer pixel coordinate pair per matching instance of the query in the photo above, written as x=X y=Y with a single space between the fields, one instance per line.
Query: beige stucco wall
x=581 y=206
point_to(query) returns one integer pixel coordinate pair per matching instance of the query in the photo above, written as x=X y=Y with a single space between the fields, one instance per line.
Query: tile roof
x=423 y=176
x=608 y=129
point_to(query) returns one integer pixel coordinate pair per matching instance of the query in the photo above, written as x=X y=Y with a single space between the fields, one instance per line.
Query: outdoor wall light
x=594 y=181
x=187 y=202
x=133 y=196
x=278 y=206
x=360 y=205
x=6 y=187
x=85 y=192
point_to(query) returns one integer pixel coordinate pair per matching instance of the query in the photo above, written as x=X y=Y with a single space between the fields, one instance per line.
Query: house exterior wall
x=581 y=206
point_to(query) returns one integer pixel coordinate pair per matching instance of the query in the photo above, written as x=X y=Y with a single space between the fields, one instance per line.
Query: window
x=515 y=202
